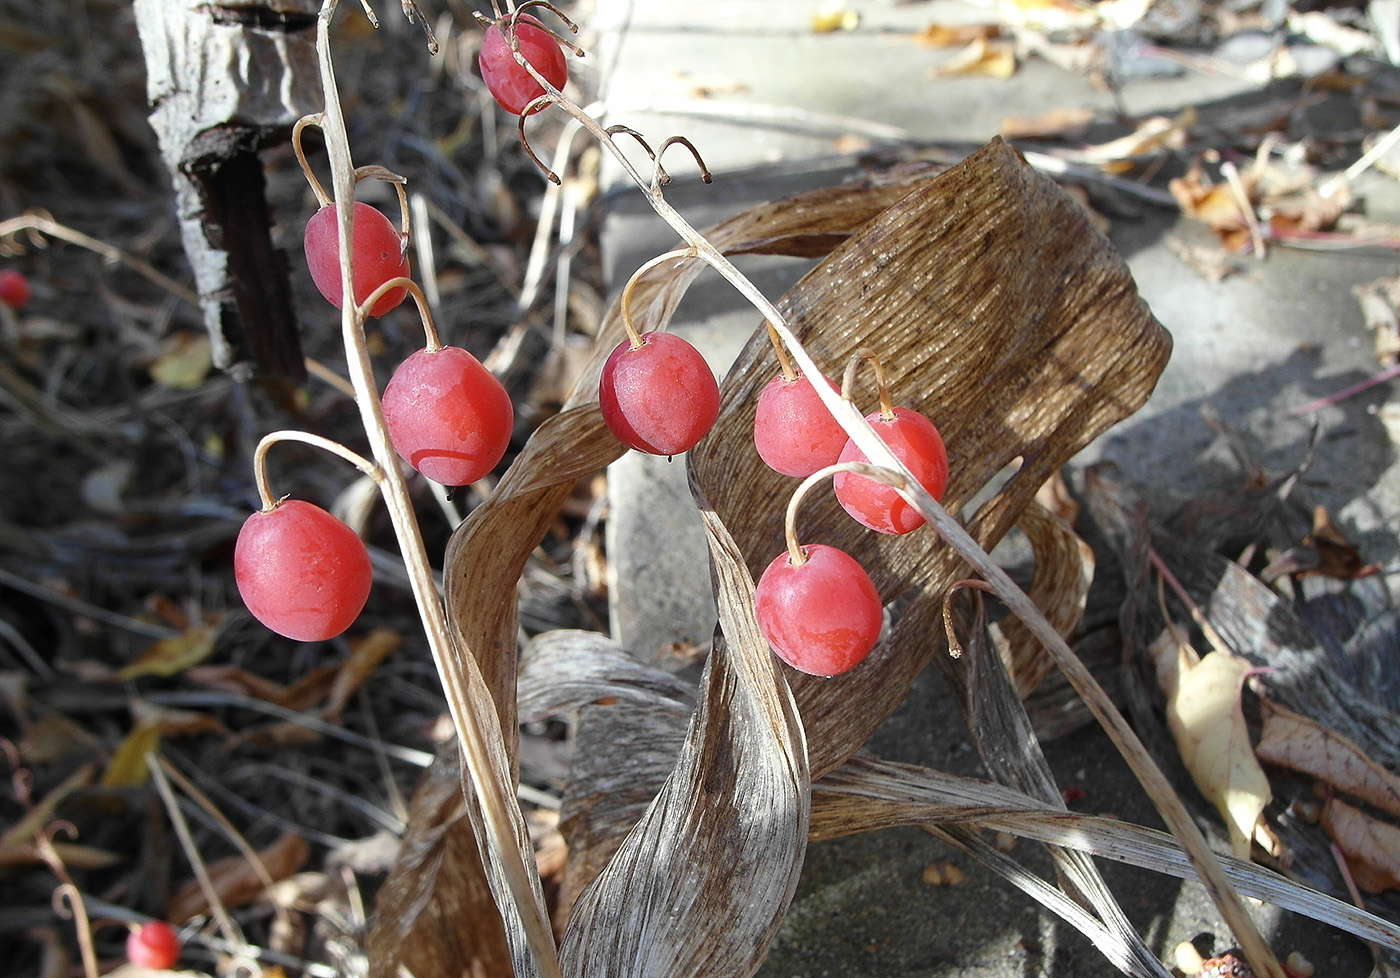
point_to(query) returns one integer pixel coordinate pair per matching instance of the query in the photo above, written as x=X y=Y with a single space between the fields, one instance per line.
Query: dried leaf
x=955 y=35
x=1151 y=138
x=834 y=15
x=1293 y=741
x=1371 y=847
x=1062 y=122
x=128 y=763
x=702 y=883
x=169 y=656
x=986 y=278
x=236 y=881
x=1336 y=555
x=184 y=362
x=176 y=723
x=365 y=656
x=1207 y=721
x=996 y=59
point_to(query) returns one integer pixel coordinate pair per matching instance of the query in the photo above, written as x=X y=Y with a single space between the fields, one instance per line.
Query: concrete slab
x=778 y=102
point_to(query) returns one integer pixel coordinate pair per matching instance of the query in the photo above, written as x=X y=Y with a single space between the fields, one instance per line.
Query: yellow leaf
x=1203 y=712
x=128 y=763
x=185 y=364
x=981 y=57
x=172 y=655
x=834 y=16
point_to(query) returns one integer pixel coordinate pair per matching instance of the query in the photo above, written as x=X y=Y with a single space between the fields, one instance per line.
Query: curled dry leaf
x=168 y=656
x=1293 y=741
x=1371 y=847
x=1207 y=721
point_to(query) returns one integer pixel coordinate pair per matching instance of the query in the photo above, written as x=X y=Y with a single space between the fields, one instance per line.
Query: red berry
x=511 y=85
x=793 y=431
x=914 y=441
x=823 y=616
x=14 y=289
x=378 y=256
x=301 y=572
x=447 y=415
x=660 y=398
x=154 y=945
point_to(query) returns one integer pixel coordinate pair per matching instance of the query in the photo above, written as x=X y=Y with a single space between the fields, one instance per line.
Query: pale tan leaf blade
x=1371 y=847
x=701 y=884
x=866 y=794
x=1207 y=721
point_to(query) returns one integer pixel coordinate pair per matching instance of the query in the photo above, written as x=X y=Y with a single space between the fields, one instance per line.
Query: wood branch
x=225 y=80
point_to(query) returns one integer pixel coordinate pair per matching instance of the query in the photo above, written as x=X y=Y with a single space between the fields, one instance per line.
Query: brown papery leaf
x=1372 y=847
x=1293 y=741
x=1001 y=315
x=701 y=884
x=235 y=879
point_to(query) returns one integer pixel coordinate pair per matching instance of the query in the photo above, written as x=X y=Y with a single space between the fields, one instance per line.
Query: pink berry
x=511 y=85
x=447 y=415
x=660 y=398
x=378 y=256
x=793 y=431
x=821 y=617
x=14 y=289
x=301 y=572
x=154 y=945
x=914 y=441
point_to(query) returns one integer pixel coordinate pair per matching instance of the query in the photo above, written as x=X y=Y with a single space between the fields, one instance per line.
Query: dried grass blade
x=701 y=884
x=866 y=794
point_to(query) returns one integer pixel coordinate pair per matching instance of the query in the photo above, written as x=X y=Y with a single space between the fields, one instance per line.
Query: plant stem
x=479 y=734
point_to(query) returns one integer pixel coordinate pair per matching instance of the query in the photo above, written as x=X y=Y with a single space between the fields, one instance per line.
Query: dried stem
x=848 y=382
x=625 y=303
x=889 y=477
x=478 y=729
x=306 y=437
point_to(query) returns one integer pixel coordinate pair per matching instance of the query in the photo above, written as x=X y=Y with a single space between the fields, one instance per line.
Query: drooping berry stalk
x=478 y=728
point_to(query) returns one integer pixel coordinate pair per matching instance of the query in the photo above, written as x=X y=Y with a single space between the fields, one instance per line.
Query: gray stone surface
x=1283 y=332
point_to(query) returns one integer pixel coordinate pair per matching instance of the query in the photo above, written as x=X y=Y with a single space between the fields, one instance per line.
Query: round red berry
x=510 y=85
x=14 y=289
x=378 y=256
x=914 y=441
x=822 y=616
x=660 y=398
x=447 y=415
x=154 y=945
x=301 y=572
x=792 y=429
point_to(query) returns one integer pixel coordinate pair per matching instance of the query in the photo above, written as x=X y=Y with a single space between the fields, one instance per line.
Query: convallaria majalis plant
x=354 y=250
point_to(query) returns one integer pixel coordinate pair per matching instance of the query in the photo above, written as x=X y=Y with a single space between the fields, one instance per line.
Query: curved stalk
x=479 y=735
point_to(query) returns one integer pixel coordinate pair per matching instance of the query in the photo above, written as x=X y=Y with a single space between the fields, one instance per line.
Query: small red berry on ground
x=822 y=616
x=301 y=572
x=914 y=441
x=154 y=945
x=660 y=398
x=511 y=85
x=447 y=415
x=14 y=289
x=793 y=431
x=377 y=256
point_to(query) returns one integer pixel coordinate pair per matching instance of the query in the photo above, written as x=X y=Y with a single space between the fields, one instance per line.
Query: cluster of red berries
x=821 y=613
x=302 y=572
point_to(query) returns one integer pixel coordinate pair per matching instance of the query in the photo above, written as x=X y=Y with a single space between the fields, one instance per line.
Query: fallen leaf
x=128 y=763
x=169 y=656
x=184 y=362
x=1152 y=137
x=1062 y=122
x=1379 y=301
x=955 y=35
x=1207 y=722
x=365 y=656
x=1371 y=847
x=1293 y=741
x=996 y=59
x=1337 y=556
x=237 y=881
x=834 y=15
